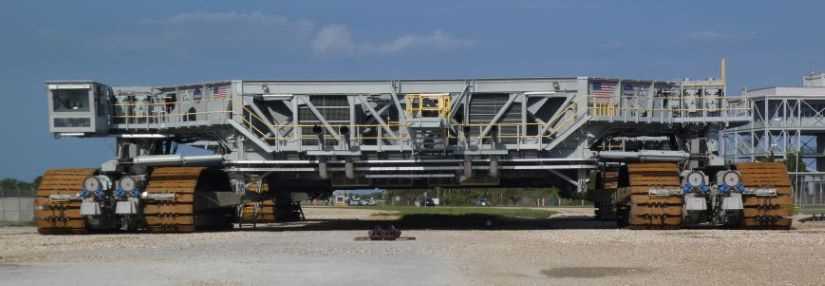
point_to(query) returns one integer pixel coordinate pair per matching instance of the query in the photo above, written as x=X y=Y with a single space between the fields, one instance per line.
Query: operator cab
x=79 y=108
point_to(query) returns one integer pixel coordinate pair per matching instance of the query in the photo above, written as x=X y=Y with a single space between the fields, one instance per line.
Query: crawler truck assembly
x=212 y=155
x=659 y=196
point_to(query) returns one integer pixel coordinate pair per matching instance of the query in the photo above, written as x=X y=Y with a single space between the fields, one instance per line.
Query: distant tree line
x=13 y=187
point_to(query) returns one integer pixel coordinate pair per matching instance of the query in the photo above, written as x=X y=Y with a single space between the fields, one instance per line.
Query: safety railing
x=280 y=135
x=561 y=119
x=522 y=135
x=670 y=109
x=602 y=109
x=319 y=134
x=499 y=130
x=149 y=115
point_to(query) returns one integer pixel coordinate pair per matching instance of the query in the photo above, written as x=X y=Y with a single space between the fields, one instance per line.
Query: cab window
x=71 y=100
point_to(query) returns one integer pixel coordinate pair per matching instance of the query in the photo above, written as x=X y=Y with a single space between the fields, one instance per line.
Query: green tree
x=794 y=161
x=37 y=181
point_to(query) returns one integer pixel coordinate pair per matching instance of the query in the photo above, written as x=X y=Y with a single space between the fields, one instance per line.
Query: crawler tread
x=653 y=212
x=178 y=215
x=53 y=217
x=771 y=212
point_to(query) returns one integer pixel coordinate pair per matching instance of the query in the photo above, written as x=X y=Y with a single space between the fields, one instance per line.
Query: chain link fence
x=809 y=192
x=17 y=206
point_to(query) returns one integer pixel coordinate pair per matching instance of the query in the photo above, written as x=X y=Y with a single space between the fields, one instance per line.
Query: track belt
x=766 y=212
x=178 y=214
x=654 y=211
x=261 y=209
x=258 y=212
x=60 y=217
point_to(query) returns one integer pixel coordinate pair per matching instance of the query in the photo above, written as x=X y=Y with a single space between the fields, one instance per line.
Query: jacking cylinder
x=695 y=189
x=94 y=191
x=730 y=181
x=128 y=186
x=95 y=186
x=695 y=180
x=127 y=193
x=730 y=189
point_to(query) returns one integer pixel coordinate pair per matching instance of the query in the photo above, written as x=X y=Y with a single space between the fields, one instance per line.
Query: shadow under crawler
x=444 y=222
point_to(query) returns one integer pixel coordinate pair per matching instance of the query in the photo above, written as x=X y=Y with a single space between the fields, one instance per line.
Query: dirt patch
x=592 y=272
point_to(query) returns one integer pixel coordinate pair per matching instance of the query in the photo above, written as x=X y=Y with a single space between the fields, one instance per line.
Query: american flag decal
x=603 y=91
x=220 y=90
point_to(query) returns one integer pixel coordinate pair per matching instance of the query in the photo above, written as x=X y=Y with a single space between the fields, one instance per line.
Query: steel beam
x=566 y=178
x=559 y=112
x=458 y=100
x=402 y=117
x=266 y=122
x=323 y=120
x=375 y=115
x=499 y=114
x=281 y=125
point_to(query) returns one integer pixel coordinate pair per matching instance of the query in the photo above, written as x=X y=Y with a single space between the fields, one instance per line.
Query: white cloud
x=338 y=39
x=437 y=39
x=332 y=39
x=219 y=33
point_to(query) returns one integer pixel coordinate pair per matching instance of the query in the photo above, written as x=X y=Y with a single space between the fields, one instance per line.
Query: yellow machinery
x=427 y=105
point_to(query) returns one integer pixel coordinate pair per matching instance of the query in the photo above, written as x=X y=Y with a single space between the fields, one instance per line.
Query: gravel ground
x=594 y=255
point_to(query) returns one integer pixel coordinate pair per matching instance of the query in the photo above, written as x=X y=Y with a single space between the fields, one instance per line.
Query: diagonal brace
x=323 y=120
x=499 y=114
x=377 y=116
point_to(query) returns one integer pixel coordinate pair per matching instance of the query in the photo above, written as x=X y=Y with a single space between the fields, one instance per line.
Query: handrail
x=250 y=119
x=154 y=119
x=528 y=135
x=247 y=120
x=668 y=108
x=141 y=114
x=202 y=99
x=518 y=133
x=166 y=114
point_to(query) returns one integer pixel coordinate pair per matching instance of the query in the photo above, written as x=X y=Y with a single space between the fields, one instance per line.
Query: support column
x=820 y=149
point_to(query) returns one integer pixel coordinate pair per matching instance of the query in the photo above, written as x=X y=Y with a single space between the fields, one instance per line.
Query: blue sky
x=159 y=42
